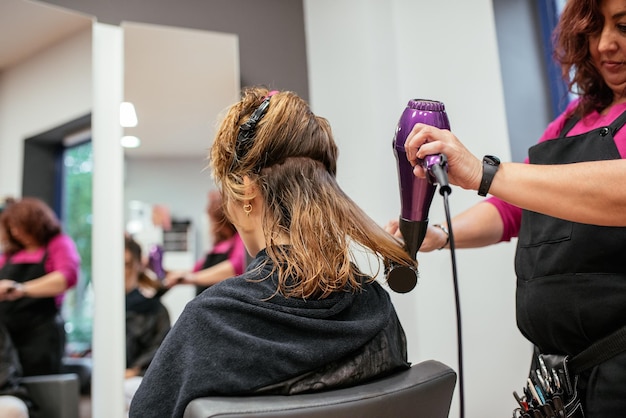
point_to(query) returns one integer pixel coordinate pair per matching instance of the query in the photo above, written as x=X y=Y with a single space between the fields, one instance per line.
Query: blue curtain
x=548 y=17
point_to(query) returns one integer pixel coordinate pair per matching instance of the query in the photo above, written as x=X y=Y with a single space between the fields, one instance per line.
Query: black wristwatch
x=490 y=167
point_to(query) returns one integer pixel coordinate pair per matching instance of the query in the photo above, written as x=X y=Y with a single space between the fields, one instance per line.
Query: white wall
x=48 y=90
x=367 y=58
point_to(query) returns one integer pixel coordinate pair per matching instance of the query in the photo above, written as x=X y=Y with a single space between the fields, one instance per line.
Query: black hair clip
x=247 y=130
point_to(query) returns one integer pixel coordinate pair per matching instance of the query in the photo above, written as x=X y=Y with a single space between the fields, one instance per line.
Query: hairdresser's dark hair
x=33 y=217
x=579 y=20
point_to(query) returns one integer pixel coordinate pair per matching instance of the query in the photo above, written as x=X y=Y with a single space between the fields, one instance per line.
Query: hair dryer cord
x=445 y=195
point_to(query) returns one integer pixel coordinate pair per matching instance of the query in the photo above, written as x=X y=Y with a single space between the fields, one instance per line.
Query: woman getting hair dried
x=303 y=316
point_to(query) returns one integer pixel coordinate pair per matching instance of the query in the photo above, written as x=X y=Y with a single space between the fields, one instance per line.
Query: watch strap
x=490 y=167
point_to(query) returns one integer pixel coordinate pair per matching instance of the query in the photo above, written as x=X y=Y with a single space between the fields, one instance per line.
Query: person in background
x=226 y=259
x=147 y=319
x=567 y=206
x=303 y=316
x=38 y=266
x=5 y=202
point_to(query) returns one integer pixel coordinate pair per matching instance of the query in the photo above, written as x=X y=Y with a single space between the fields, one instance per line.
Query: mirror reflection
x=45 y=106
x=178 y=81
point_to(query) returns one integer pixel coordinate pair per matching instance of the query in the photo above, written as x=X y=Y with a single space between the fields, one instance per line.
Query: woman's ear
x=250 y=189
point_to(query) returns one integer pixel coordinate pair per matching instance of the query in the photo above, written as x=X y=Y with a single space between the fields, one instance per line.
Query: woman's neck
x=616 y=101
x=31 y=248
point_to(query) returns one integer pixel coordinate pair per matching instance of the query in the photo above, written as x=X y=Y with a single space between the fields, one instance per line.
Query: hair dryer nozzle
x=401 y=279
x=413 y=233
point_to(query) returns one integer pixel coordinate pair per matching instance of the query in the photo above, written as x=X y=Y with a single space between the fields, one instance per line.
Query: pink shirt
x=237 y=256
x=512 y=215
x=62 y=257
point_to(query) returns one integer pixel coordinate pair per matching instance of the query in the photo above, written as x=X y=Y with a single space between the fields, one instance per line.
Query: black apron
x=211 y=260
x=571 y=277
x=34 y=324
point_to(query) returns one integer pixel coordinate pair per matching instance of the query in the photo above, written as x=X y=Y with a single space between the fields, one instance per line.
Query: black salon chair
x=82 y=367
x=424 y=391
x=57 y=395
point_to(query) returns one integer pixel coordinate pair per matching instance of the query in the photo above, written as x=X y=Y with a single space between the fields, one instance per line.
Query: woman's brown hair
x=221 y=227
x=292 y=160
x=134 y=249
x=579 y=20
x=33 y=217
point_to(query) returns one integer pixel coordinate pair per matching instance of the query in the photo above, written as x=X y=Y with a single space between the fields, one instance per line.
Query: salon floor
x=84 y=408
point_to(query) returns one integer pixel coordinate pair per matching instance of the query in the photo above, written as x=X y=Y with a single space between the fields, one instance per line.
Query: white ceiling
x=27 y=27
x=179 y=80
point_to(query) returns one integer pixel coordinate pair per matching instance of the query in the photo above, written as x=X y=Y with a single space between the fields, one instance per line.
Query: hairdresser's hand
x=464 y=169
x=10 y=290
x=435 y=238
x=6 y=286
x=393 y=228
x=174 y=278
x=132 y=372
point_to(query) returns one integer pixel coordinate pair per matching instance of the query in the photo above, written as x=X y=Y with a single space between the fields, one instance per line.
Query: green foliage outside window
x=77 y=219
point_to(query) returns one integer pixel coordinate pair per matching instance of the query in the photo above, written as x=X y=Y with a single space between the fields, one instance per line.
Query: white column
x=108 y=246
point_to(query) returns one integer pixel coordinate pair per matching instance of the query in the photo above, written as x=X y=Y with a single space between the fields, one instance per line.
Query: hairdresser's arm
x=586 y=192
x=206 y=277
x=478 y=226
x=590 y=192
x=48 y=285
x=214 y=274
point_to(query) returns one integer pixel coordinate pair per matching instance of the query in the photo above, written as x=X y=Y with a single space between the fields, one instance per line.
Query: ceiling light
x=128 y=116
x=130 y=141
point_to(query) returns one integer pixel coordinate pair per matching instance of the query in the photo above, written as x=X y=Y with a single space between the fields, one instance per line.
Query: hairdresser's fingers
x=421 y=136
x=463 y=167
x=393 y=228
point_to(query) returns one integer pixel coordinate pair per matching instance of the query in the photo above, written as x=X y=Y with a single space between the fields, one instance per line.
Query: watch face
x=491 y=159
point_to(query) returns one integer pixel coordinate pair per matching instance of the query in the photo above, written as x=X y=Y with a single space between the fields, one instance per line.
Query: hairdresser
x=567 y=206
x=38 y=265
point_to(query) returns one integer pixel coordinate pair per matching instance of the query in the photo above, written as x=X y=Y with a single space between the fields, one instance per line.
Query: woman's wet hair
x=290 y=158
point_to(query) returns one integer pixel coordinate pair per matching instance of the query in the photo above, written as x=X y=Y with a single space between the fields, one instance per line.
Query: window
x=58 y=170
x=76 y=215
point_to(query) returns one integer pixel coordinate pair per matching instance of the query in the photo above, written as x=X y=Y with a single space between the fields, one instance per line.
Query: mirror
x=45 y=84
x=188 y=77
x=179 y=82
x=46 y=95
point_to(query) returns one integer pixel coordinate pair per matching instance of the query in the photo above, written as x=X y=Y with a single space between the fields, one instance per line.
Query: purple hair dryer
x=155 y=261
x=416 y=193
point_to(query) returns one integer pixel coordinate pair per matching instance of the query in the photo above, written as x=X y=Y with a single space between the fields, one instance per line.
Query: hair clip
x=248 y=129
